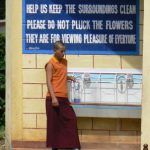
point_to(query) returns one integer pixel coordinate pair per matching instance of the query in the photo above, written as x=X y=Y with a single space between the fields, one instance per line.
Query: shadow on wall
x=131 y=62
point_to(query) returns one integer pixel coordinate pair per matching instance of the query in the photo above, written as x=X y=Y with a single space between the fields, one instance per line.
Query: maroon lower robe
x=62 y=129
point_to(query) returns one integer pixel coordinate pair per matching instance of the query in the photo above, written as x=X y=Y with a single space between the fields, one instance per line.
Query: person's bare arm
x=49 y=71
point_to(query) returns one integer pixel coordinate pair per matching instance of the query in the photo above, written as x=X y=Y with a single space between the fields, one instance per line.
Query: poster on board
x=97 y=87
x=85 y=26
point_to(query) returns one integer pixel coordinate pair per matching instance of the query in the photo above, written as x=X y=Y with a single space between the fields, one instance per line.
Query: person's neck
x=59 y=59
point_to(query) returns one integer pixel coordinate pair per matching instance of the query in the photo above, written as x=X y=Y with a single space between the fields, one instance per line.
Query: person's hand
x=55 y=102
x=73 y=79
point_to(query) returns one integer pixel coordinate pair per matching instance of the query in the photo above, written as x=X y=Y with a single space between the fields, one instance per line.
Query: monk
x=62 y=130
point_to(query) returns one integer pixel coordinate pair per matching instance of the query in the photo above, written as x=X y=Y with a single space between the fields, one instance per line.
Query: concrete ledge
x=26 y=145
x=108 y=111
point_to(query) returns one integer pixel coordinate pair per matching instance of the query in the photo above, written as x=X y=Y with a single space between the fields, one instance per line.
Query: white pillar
x=13 y=70
x=145 y=136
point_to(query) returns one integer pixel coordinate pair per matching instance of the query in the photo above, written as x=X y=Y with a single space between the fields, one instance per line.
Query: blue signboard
x=85 y=26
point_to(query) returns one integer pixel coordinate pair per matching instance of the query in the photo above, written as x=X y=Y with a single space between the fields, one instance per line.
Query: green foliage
x=2 y=80
x=2 y=132
x=2 y=9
